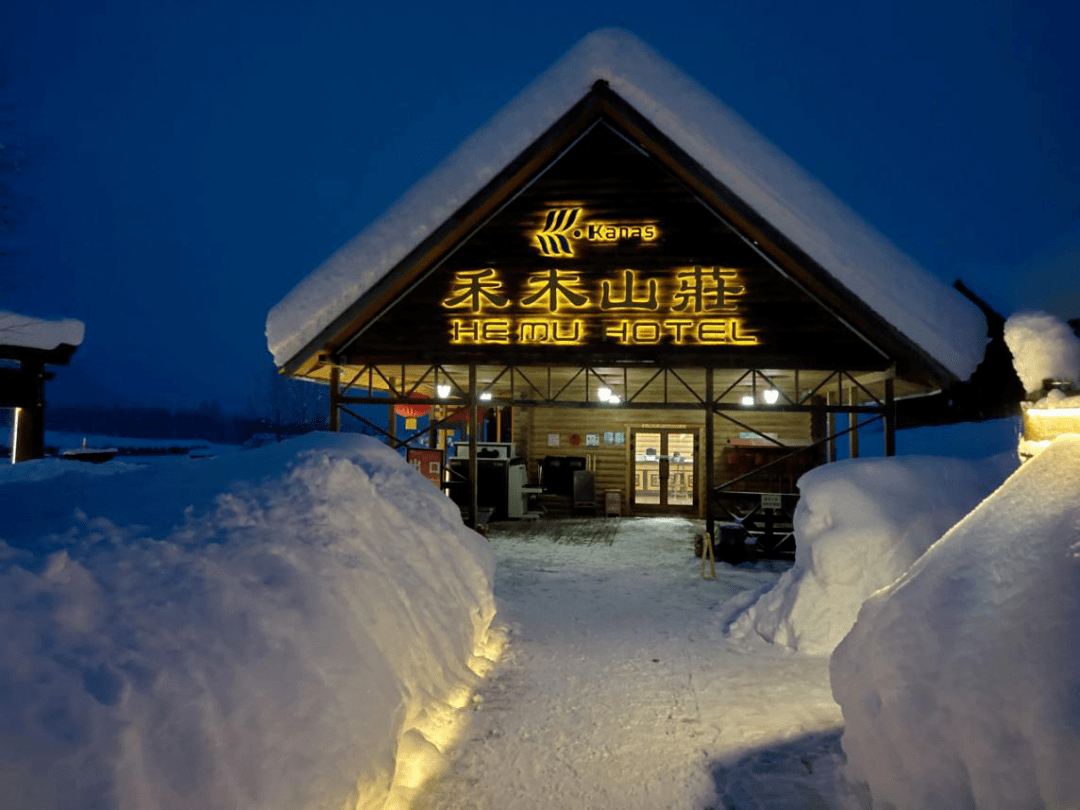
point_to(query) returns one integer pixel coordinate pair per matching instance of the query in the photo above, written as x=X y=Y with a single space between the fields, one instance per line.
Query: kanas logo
x=563 y=227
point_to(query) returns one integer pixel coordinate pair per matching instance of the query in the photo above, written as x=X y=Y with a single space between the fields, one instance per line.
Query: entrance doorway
x=664 y=468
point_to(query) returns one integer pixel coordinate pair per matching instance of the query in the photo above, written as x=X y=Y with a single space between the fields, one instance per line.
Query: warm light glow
x=614 y=400
x=748 y=399
x=771 y=396
x=485 y=397
x=603 y=394
x=428 y=737
x=15 y=434
x=443 y=391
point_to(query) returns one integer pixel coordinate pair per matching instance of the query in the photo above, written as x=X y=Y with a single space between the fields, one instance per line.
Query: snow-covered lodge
x=618 y=277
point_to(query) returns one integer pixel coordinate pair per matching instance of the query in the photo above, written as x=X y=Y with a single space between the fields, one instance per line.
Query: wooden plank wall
x=611 y=464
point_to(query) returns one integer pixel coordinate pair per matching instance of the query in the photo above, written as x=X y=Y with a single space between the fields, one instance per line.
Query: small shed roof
x=937 y=319
x=24 y=337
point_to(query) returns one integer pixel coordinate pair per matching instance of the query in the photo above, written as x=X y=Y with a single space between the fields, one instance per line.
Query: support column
x=474 y=466
x=710 y=462
x=830 y=426
x=335 y=412
x=890 y=415
x=391 y=418
x=820 y=428
x=28 y=439
x=853 y=423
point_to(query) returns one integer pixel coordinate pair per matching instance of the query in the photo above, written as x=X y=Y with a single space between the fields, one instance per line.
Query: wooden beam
x=335 y=413
x=474 y=465
x=710 y=463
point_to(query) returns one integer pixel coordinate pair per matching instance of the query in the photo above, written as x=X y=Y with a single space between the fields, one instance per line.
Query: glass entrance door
x=664 y=468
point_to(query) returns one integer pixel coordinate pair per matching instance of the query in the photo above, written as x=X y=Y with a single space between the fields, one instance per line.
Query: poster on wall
x=620 y=438
x=553 y=440
x=609 y=437
x=592 y=439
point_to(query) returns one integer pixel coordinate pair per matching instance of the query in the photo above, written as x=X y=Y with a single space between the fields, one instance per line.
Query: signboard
x=771 y=501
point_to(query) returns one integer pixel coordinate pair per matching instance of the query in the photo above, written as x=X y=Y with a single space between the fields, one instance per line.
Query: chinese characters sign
x=623 y=306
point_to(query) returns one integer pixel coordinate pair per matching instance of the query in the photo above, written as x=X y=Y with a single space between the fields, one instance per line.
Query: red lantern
x=411 y=411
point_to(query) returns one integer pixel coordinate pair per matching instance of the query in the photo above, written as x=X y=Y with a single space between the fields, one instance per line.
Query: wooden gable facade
x=605 y=259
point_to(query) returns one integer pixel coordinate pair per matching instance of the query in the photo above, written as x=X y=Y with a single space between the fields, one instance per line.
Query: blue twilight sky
x=186 y=163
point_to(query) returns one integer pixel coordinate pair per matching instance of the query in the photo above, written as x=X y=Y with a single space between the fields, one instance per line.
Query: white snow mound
x=859 y=525
x=1043 y=347
x=258 y=631
x=959 y=683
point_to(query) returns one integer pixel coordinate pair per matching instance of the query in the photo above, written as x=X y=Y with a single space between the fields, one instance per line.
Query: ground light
x=440 y=725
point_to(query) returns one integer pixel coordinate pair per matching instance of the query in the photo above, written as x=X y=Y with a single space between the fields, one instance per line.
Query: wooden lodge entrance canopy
x=611 y=254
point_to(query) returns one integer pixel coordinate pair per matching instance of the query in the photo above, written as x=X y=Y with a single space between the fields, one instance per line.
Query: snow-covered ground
x=619 y=688
x=305 y=624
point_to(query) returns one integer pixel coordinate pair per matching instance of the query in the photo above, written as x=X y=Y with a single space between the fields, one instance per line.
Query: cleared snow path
x=619 y=689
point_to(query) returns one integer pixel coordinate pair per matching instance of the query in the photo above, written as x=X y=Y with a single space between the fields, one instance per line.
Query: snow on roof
x=35 y=333
x=935 y=317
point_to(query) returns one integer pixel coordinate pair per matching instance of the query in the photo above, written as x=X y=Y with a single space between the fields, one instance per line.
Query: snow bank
x=268 y=629
x=959 y=683
x=1043 y=347
x=946 y=325
x=858 y=526
x=35 y=333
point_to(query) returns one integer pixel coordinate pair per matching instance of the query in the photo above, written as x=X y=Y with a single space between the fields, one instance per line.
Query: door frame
x=663 y=508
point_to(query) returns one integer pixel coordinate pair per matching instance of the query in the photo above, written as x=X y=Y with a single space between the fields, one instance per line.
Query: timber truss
x=839 y=403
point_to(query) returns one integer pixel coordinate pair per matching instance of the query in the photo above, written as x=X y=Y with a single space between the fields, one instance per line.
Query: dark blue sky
x=186 y=163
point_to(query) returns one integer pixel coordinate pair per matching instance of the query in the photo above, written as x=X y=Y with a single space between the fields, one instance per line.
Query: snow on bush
x=858 y=526
x=262 y=630
x=1043 y=347
x=960 y=683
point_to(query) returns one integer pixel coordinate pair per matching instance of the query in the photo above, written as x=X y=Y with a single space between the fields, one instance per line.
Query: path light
x=771 y=396
x=443 y=391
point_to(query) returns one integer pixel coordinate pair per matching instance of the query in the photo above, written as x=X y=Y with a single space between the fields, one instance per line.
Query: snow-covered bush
x=262 y=630
x=960 y=683
x=858 y=526
x=1043 y=347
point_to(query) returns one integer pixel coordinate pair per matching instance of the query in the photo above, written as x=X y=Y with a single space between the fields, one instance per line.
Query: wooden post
x=28 y=439
x=710 y=462
x=890 y=415
x=819 y=423
x=830 y=425
x=335 y=412
x=474 y=466
x=853 y=423
x=391 y=419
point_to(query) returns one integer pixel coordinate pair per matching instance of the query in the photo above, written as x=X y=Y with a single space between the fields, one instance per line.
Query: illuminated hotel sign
x=691 y=305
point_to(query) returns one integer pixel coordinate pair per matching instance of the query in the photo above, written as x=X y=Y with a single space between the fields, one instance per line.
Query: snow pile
x=1043 y=347
x=268 y=629
x=859 y=525
x=959 y=683
x=35 y=333
x=945 y=324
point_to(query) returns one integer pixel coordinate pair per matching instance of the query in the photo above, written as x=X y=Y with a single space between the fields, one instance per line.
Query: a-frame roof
x=611 y=73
